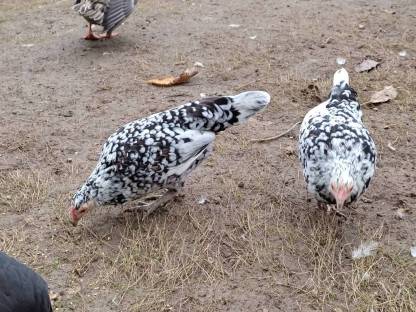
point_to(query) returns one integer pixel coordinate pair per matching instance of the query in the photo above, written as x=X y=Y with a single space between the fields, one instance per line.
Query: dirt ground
x=257 y=244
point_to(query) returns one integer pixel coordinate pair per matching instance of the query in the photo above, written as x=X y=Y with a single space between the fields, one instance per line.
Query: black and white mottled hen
x=159 y=151
x=336 y=150
x=21 y=289
x=106 y=13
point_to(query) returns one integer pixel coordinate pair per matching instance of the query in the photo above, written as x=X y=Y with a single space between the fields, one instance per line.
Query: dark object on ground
x=21 y=289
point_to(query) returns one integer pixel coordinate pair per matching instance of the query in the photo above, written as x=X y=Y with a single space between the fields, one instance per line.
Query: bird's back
x=107 y=13
x=92 y=10
x=146 y=154
x=160 y=150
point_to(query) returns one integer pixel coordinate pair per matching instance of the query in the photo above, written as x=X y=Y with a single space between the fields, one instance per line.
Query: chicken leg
x=90 y=35
x=160 y=201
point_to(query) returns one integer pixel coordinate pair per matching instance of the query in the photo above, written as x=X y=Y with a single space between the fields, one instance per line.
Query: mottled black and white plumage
x=106 y=13
x=336 y=150
x=159 y=151
x=21 y=289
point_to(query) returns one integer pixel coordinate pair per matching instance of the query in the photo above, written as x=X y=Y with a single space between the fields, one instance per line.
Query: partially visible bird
x=159 y=151
x=336 y=150
x=107 y=13
x=21 y=289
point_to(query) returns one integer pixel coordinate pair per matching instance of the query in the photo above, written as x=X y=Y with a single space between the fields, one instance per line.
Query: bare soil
x=257 y=244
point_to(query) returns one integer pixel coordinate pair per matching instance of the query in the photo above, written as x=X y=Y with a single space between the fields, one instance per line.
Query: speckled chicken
x=159 y=151
x=107 y=13
x=336 y=150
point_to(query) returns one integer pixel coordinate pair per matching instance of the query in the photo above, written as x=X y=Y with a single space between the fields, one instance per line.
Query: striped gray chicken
x=106 y=13
x=158 y=152
x=336 y=150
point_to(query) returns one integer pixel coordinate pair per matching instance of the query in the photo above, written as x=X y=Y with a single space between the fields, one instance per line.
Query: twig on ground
x=277 y=136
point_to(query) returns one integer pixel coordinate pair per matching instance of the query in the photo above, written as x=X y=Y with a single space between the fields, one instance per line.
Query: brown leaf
x=185 y=76
x=385 y=95
x=366 y=66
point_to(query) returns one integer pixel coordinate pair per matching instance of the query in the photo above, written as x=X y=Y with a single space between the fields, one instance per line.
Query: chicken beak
x=74 y=216
x=341 y=196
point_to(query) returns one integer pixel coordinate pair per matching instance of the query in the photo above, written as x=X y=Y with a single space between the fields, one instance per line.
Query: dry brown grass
x=257 y=245
x=22 y=190
x=254 y=228
x=335 y=281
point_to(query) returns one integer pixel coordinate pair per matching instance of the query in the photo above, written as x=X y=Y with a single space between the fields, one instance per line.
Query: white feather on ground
x=413 y=251
x=365 y=249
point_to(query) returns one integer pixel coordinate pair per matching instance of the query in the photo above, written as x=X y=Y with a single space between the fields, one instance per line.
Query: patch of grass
x=18 y=243
x=157 y=258
x=336 y=282
x=386 y=282
x=22 y=190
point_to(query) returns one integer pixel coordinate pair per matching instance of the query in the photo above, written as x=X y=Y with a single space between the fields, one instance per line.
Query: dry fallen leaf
x=385 y=95
x=366 y=66
x=185 y=76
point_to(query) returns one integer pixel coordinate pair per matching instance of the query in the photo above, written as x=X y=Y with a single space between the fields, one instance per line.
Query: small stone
x=202 y=294
x=198 y=64
x=203 y=200
x=366 y=66
x=68 y=114
x=54 y=296
x=329 y=40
